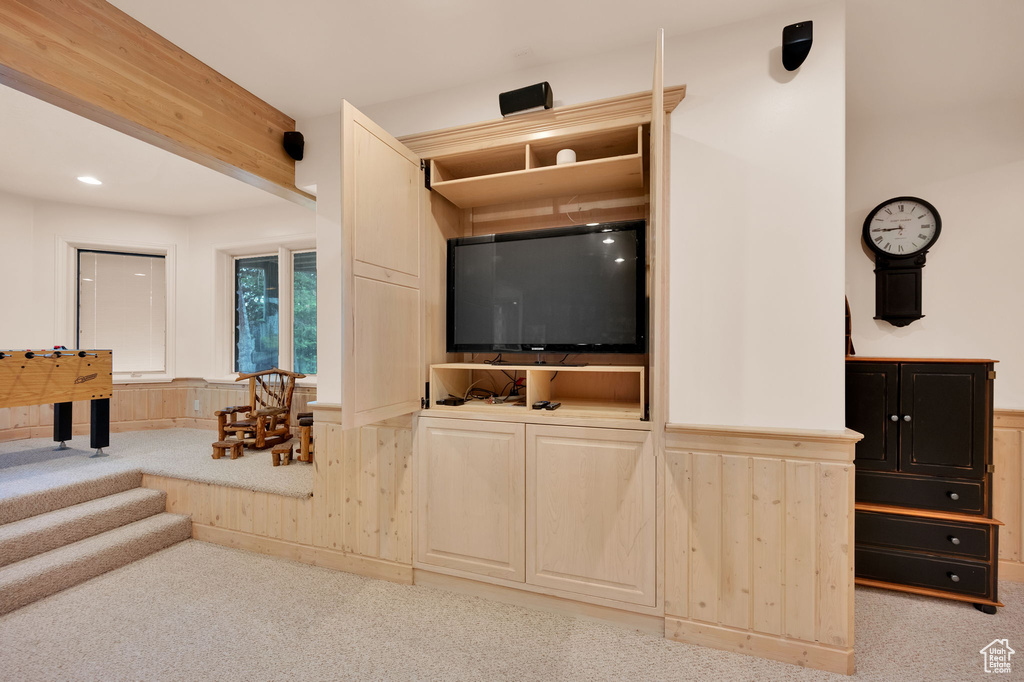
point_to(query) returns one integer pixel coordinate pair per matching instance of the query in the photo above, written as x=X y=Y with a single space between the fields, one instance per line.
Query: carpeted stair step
x=52 y=494
x=44 y=574
x=37 y=534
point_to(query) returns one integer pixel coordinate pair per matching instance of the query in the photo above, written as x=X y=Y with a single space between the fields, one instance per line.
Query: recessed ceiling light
x=89 y=180
x=607 y=229
x=609 y=241
x=140 y=274
x=620 y=260
x=86 y=279
x=592 y=224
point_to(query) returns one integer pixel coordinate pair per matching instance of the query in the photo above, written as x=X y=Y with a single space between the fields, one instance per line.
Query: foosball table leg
x=99 y=428
x=62 y=424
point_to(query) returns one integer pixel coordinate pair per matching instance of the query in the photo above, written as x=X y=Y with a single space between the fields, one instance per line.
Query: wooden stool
x=222 y=445
x=279 y=450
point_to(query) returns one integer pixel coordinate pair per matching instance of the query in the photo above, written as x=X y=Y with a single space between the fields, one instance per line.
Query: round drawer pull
x=895 y=418
x=955 y=540
x=906 y=417
x=954 y=577
x=953 y=496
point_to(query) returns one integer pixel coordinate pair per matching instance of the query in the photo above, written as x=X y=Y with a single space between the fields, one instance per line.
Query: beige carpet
x=201 y=612
x=30 y=465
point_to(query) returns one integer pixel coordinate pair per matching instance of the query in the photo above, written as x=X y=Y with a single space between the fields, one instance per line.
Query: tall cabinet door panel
x=872 y=400
x=590 y=520
x=381 y=369
x=946 y=432
x=470 y=496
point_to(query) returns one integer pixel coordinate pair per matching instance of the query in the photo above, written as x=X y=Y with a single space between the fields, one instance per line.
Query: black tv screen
x=577 y=289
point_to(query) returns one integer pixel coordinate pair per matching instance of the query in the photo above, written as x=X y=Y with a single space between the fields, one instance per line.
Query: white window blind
x=122 y=305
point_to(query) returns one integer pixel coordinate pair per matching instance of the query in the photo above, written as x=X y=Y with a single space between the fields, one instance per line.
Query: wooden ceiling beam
x=90 y=58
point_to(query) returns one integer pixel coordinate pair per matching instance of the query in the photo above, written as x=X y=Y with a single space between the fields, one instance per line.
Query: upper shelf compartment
x=605 y=160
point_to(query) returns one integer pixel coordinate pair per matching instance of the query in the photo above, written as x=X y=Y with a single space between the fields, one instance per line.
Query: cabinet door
x=872 y=399
x=590 y=512
x=470 y=496
x=380 y=315
x=948 y=409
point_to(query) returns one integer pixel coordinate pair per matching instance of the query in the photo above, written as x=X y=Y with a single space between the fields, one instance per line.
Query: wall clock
x=900 y=231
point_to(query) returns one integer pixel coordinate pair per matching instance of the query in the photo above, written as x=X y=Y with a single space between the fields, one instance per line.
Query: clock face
x=901 y=227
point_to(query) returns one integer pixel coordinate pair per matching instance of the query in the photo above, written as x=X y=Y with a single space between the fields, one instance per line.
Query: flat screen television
x=578 y=289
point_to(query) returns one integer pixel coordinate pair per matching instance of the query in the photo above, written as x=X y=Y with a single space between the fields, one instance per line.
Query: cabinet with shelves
x=592 y=391
x=563 y=509
x=924 y=482
x=605 y=160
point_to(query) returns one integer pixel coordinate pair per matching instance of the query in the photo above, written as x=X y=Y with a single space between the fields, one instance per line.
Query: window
x=275 y=312
x=304 y=306
x=122 y=305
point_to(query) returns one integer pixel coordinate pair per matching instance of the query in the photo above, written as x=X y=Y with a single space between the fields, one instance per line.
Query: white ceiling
x=45 y=149
x=305 y=56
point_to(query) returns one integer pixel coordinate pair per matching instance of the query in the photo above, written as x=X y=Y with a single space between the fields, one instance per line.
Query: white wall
x=942 y=118
x=29 y=233
x=757 y=218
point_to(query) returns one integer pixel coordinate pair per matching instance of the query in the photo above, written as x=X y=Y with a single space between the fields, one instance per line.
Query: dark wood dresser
x=924 y=476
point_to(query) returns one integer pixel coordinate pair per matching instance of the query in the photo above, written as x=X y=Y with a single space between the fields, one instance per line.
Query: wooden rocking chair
x=266 y=420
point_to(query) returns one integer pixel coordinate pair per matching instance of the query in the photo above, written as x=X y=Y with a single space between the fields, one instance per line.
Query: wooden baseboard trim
x=316 y=556
x=541 y=602
x=794 y=651
x=910 y=589
x=1012 y=571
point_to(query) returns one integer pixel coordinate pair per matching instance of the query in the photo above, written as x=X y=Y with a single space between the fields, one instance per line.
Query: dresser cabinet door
x=872 y=400
x=591 y=512
x=470 y=497
x=944 y=423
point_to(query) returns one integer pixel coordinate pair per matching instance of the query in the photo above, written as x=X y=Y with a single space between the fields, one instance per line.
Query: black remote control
x=541 y=404
x=552 y=406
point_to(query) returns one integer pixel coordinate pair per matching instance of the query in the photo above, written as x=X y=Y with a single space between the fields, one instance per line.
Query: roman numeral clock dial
x=900 y=231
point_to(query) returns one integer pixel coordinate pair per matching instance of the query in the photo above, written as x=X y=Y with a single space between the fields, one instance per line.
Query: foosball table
x=60 y=377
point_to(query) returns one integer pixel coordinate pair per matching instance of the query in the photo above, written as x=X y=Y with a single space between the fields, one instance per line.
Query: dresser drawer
x=921 y=492
x=928 y=535
x=919 y=570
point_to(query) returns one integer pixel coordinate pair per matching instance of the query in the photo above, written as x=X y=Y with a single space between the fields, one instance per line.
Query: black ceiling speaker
x=524 y=99
x=294 y=144
x=796 y=44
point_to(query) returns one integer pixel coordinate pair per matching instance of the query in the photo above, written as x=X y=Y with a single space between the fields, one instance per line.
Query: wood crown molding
x=92 y=59
x=614 y=112
x=822 y=445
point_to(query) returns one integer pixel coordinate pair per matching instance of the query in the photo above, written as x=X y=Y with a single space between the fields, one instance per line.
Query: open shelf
x=590 y=392
x=605 y=161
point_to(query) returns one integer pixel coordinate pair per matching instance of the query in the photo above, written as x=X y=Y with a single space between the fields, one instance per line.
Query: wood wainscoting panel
x=362 y=489
x=1008 y=491
x=758 y=543
x=141 y=407
x=90 y=58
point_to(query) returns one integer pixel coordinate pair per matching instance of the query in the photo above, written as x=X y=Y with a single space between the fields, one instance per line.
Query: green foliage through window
x=304 y=297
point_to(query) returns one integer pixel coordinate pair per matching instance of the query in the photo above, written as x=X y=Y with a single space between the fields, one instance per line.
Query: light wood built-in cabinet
x=566 y=508
x=609 y=160
x=591 y=391
x=470 y=482
x=590 y=512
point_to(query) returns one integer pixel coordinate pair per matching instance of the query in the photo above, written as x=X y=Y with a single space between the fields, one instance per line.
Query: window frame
x=66 y=290
x=224 y=308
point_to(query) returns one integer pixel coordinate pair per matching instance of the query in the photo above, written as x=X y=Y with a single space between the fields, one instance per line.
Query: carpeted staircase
x=55 y=538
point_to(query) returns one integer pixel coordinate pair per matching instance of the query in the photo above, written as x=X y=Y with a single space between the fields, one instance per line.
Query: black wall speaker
x=530 y=97
x=294 y=144
x=796 y=44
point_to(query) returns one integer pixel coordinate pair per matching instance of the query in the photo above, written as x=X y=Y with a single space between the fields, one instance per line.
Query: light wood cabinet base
x=794 y=651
